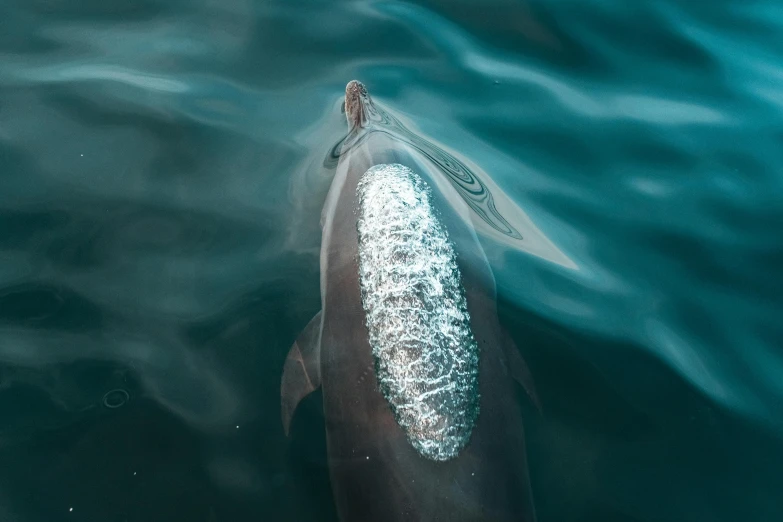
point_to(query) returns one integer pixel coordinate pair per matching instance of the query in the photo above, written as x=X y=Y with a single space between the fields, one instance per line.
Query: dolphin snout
x=356 y=100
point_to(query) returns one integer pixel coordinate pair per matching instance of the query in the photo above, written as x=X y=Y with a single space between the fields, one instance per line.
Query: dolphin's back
x=377 y=471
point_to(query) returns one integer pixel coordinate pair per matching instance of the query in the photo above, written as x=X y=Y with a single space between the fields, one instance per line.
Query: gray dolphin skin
x=418 y=376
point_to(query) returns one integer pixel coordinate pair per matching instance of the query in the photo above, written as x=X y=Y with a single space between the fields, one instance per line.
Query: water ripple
x=162 y=179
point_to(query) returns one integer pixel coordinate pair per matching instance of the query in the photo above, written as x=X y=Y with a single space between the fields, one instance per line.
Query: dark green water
x=161 y=179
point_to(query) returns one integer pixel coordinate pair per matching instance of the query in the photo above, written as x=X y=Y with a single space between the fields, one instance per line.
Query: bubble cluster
x=426 y=357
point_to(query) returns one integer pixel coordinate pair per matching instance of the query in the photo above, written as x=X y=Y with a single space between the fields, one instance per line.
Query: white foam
x=426 y=358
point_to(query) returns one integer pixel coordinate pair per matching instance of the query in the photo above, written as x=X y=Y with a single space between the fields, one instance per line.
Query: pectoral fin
x=301 y=373
x=519 y=370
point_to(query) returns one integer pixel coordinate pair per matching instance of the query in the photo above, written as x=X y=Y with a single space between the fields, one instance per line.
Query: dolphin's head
x=357 y=104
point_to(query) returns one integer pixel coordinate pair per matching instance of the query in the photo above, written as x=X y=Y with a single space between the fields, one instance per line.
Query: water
x=162 y=178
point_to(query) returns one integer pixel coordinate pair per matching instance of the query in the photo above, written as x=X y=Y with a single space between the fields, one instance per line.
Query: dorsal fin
x=518 y=369
x=302 y=372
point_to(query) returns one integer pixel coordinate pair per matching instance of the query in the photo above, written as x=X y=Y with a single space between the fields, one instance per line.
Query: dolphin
x=417 y=374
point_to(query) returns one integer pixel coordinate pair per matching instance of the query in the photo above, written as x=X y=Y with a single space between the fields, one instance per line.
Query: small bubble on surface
x=115 y=398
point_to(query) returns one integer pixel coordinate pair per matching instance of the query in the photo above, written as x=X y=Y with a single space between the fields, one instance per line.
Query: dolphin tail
x=518 y=369
x=301 y=373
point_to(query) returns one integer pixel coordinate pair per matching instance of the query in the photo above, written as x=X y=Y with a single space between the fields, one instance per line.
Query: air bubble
x=116 y=398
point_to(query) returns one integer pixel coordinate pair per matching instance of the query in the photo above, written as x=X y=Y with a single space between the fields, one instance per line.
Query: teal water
x=161 y=179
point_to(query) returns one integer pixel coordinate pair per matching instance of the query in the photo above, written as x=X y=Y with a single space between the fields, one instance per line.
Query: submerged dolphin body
x=417 y=374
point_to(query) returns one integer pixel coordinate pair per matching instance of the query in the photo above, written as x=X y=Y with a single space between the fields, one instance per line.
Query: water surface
x=162 y=175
